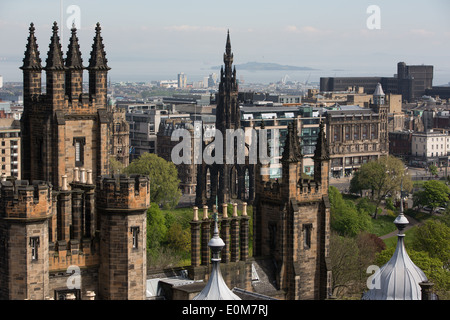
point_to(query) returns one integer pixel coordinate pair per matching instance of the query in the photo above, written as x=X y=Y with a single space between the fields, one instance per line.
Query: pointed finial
x=74 y=59
x=55 y=27
x=98 y=55
x=292 y=151
x=55 y=59
x=401 y=221
x=321 y=152
x=31 y=60
x=228 y=45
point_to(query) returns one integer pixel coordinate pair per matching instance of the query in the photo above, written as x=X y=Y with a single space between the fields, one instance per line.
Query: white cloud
x=189 y=28
x=307 y=30
x=422 y=32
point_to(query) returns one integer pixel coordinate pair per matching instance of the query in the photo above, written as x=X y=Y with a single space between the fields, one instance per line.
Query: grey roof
x=378 y=90
x=399 y=278
x=216 y=288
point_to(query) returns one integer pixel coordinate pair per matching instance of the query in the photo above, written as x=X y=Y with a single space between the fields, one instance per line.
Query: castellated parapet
x=123 y=192
x=20 y=200
x=96 y=230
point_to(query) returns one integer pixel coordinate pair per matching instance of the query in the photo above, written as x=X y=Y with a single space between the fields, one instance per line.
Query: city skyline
x=148 y=41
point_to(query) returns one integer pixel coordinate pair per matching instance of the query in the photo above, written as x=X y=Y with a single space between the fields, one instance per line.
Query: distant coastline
x=264 y=66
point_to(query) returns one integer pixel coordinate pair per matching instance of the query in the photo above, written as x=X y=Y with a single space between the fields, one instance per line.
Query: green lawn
x=409 y=236
x=383 y=224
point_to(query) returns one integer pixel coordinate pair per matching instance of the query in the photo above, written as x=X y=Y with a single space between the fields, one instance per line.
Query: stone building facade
x=357 y=136
x=69 y=230
x=187 y=172
x=10 y=146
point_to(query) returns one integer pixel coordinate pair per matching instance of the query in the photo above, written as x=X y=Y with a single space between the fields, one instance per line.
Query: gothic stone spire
x=98 y=55
x=228 y=45
x=55 y=59
x=291 y=152
x=321 y=152
x=32 y=61
x=74 y=60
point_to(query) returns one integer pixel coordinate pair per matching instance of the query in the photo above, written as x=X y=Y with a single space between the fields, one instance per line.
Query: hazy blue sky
x=147 y=40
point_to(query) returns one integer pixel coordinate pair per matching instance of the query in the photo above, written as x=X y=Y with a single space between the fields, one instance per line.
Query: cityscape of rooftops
x=238 y=150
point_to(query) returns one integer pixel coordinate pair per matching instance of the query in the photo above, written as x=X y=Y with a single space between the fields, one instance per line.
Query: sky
x=155 y=40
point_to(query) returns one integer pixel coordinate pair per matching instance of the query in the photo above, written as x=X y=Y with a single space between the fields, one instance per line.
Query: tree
x=179 y=239
x=419 y=199
x=433 y=169
x=434 y=237
x=350 y=257
x=156 y=227
x=163 y=176
x=384 y=176
x=344 y=263
x=346 y=219
x=357 y=184
x=435 y=193
x=115 y=166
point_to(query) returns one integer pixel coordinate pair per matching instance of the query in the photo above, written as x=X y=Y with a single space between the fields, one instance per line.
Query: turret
x=322 y=160
x=122 y=204
x=291 y=161
x=98 y=70
x=216 y=288
x=74 y=65
x=31 y=67
x=399 y=278
x=378 y=95
x=55 y=71
x=25 y=211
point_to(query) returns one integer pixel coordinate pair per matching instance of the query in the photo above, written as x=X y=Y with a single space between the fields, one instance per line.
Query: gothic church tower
x=227 y=179
x=64 y=128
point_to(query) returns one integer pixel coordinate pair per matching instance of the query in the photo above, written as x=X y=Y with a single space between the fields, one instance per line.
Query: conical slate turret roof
x=216 y=288
x=399 y=278
x=378 y=90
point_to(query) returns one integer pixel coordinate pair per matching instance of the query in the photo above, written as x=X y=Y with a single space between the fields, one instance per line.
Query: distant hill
x=265 y=66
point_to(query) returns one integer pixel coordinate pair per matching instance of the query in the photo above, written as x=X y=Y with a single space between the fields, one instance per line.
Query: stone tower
x=64 y=128
x=380 y=106
x=227 y=178
x=292 y=223
x=25 y=216
x=71 y=237
x=122 y=207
